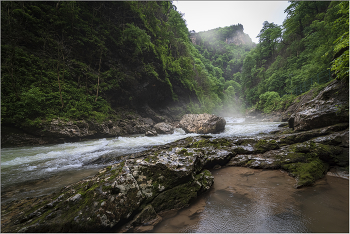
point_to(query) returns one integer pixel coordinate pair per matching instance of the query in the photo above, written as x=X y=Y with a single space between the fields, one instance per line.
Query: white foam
x=37 y=162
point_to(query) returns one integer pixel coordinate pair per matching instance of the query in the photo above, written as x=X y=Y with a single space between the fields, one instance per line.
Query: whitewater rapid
x=25 y=164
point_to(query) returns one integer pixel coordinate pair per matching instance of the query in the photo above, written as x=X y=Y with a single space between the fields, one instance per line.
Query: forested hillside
x=310 y=48
x=86 y=60
x=92 y=60
x=222 y=52
x=78 y=60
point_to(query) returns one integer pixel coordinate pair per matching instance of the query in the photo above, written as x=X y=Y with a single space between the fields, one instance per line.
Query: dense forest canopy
x=84 y=60
x=311 y=45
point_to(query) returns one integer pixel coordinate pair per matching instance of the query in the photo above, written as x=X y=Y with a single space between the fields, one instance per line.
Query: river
x=35 y=171
x=230 y=206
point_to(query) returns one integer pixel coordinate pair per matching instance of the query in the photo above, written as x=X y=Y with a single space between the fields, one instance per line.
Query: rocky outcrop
x=60 y=131
x=330 y=106
x=239 y=38
x=164 y=128
x=202 y=123
x=130 y=192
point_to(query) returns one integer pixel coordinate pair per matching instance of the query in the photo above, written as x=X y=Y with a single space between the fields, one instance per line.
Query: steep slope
x=93 y=61
x=222 y=51
x=86 y=59
x=309 y=49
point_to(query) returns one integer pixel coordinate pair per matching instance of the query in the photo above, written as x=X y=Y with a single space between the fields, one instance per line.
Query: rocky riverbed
x=131 y=195
x=133 y=192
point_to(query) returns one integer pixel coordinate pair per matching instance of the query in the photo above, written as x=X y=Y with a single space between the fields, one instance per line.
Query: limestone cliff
x=239 y=38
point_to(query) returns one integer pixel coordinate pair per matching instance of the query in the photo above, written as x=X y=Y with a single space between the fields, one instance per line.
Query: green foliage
x=269 y=101
x=80 y=60
x=219 y=59
x=72 y=59
x=340 y=65
x=289 y=59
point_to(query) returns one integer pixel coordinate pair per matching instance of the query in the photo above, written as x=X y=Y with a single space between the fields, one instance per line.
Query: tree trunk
x=58 y=76
x=98 y=77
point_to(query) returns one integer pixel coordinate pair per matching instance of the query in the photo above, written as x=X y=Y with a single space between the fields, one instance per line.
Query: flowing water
x=35 y=171
x=267 y=203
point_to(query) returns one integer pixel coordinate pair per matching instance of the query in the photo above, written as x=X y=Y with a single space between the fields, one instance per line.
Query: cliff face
x=239 y=38
x=231 y=35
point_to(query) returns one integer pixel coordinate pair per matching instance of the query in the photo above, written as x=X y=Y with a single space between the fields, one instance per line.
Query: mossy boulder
x=164 y=177
x=183 y=194
x=306 y=173
x=306 y=161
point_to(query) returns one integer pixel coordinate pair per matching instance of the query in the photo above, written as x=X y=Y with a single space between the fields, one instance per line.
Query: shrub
x=268 y=102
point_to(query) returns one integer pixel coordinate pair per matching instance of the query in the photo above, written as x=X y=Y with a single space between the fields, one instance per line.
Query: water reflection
x=248 y=200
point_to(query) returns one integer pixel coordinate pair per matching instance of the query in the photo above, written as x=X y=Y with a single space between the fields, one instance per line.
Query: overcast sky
x=206 y=15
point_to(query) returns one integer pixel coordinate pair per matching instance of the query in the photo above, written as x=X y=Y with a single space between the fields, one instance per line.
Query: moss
x=106 y=187
x=288 y=140
x=199 y=144
x=216 y=143
x=334 y=155
x=41 y=217
x=307 y=173
x=239 y=150
x=247 y=164
x=288 y=131
x=246 y=141
x=176 y=197
x=117 y=170
x=185 y=152
x=155 y=184
x=265 y=145
x=305 y=147
x=151 y=158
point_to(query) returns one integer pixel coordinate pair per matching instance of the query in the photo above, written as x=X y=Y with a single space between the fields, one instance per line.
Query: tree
x=340 y=64
x=269 y=37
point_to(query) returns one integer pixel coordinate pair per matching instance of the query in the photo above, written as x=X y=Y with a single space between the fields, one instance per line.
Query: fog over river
x=241 y=200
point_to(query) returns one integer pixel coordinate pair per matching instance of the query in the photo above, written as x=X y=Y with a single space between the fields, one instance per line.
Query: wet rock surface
x=129 y=196
x=330 y=106
x=202 y=123
x=164 y=128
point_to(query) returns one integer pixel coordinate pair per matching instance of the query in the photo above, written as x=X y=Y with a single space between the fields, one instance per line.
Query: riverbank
x=139 y=179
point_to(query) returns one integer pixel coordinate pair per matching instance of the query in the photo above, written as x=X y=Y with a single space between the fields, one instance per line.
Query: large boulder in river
x=202 y=123
x=164 y=128
x=330 y=106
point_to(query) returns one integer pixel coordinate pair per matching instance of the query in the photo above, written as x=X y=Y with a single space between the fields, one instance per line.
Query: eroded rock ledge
x=130 y=195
